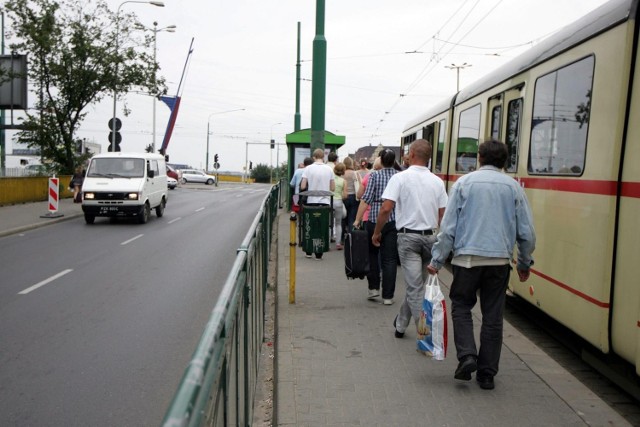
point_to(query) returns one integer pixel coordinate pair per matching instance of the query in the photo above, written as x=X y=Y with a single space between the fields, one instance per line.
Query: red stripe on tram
x=572 y=290
x=630 y=189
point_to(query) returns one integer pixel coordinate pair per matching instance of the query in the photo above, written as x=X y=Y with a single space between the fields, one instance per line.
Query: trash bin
x=315 y=225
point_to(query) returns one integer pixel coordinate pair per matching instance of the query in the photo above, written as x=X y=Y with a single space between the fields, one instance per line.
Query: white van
x=124 y=184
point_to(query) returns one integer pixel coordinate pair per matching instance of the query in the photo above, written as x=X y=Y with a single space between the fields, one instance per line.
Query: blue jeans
x=414 y=251
x=491 y=282
x=384 y=258
x=351 y=205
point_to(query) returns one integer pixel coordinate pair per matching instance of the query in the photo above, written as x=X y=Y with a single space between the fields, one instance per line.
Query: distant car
x=171 y=183
x=192 y=175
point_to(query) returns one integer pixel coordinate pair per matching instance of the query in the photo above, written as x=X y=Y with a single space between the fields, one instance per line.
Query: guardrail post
x=293 y=222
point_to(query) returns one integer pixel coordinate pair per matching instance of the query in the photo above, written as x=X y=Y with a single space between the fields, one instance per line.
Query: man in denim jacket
x=487 y=215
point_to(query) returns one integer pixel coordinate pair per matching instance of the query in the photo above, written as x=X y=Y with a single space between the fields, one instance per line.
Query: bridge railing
x=218 y=385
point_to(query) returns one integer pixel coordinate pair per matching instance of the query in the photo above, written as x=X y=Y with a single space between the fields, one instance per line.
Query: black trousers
x=383 y=259
x=490 y=283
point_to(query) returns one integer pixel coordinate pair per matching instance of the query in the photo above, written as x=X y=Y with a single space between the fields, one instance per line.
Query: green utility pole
x=296 y=117
x=319 y=83
x=3 y=142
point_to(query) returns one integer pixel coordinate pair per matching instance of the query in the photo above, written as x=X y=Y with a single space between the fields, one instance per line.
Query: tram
x=568 y=110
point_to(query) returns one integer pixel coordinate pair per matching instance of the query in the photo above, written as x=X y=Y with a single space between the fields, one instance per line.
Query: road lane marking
x=239 y=195
x=45 y=281
x=174 y=220
x=131 y=240
x=199 y=209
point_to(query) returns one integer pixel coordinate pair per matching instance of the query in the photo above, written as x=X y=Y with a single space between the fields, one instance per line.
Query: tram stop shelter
x=299 y=147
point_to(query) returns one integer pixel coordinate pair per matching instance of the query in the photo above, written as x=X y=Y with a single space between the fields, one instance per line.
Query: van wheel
x=160 y=208
x=89 y=219
x=145 y=212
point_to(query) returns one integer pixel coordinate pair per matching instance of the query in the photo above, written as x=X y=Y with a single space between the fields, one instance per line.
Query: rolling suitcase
x=356 y=254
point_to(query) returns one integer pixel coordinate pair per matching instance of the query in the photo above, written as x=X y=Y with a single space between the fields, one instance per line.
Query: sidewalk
x=26 y=216
x=339 y=364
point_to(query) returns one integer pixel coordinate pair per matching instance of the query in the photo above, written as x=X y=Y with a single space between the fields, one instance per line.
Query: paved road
x=97 y=323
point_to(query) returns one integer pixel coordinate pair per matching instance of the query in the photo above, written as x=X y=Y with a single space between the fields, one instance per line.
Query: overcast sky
x=245 y=55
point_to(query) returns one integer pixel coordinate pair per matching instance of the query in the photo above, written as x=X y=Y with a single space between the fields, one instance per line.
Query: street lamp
x=115 y=75
x=206 y=165
x=457 y=68
x=271 y=153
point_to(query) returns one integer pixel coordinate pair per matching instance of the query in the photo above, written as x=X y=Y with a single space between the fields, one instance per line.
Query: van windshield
x=117 y=168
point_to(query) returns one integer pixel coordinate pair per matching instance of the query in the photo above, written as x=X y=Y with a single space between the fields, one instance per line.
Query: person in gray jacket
x=487 y=215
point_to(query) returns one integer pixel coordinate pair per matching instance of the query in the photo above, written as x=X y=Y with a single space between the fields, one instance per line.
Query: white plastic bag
x=432 y=326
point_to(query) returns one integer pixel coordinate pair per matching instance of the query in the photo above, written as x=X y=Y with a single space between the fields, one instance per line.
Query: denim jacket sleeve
x=444 y=243
x=525 y=233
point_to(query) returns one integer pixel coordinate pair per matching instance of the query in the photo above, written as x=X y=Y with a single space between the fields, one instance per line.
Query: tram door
x=625 y=326
x=505 y=124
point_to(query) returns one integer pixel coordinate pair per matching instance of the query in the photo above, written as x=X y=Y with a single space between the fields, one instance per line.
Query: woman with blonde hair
x=352 y=183
x=339 y=210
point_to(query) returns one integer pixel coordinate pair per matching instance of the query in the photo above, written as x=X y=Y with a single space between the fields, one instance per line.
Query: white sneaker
x=387 y=301
x=373 y=293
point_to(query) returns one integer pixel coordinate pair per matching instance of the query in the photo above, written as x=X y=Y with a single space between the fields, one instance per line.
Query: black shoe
x=485 y=382
x=466 y=367
x=396 y=333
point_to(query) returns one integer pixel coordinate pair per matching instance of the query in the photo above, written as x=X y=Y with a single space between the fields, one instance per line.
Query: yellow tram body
x=573 y=98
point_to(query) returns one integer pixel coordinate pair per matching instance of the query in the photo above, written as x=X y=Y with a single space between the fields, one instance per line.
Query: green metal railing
x=218 y=386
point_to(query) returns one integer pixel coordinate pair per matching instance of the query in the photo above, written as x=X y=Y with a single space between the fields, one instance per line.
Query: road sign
x=118 y=137
x=118 y=124
x=216 y=165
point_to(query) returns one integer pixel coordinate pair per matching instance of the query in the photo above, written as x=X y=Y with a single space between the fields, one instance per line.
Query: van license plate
x=108 y=209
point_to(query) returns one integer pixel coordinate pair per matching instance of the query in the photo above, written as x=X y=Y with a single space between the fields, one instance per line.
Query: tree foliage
x=261 y=173
x=78 y=53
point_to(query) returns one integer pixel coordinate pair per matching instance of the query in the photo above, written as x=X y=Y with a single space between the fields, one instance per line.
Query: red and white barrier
x=53 y=194
x=54 y=190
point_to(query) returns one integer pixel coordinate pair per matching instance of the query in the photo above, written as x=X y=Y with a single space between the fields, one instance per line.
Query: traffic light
x=215 y=158
x=114 y=145
x=273 y=144
x=250 y=165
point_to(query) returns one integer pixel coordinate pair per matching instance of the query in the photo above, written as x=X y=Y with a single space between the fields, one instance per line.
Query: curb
x=35 y=225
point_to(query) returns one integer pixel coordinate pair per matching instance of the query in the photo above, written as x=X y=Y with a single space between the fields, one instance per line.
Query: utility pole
x=296 y=117
x=319 y=83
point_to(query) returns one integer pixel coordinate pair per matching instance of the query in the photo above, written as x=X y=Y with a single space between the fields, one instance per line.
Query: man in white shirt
x=419 y=198
x=318 y=177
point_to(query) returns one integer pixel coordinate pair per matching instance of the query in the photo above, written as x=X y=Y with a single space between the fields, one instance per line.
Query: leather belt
x=410 y=231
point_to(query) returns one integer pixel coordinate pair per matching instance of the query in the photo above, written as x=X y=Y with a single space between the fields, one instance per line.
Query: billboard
x=13 y=82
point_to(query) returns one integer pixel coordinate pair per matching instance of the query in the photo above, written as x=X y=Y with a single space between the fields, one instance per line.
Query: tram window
x=495 y=122
x=560 y=121
x=514 y=111
x=468 y=136
x=428 y=132
x=440 y=148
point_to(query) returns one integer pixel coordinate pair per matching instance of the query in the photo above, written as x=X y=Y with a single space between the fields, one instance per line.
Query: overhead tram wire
x=423 y=74
x=425 y=71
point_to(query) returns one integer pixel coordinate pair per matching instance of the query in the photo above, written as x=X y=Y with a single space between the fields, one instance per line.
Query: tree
x=261 y=173
x=71 y=48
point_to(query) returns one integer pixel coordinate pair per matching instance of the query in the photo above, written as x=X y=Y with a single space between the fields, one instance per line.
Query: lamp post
x=271 y=153
x=115 y=75
x=206 y=165
x=457 y=68
x=156 y=30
